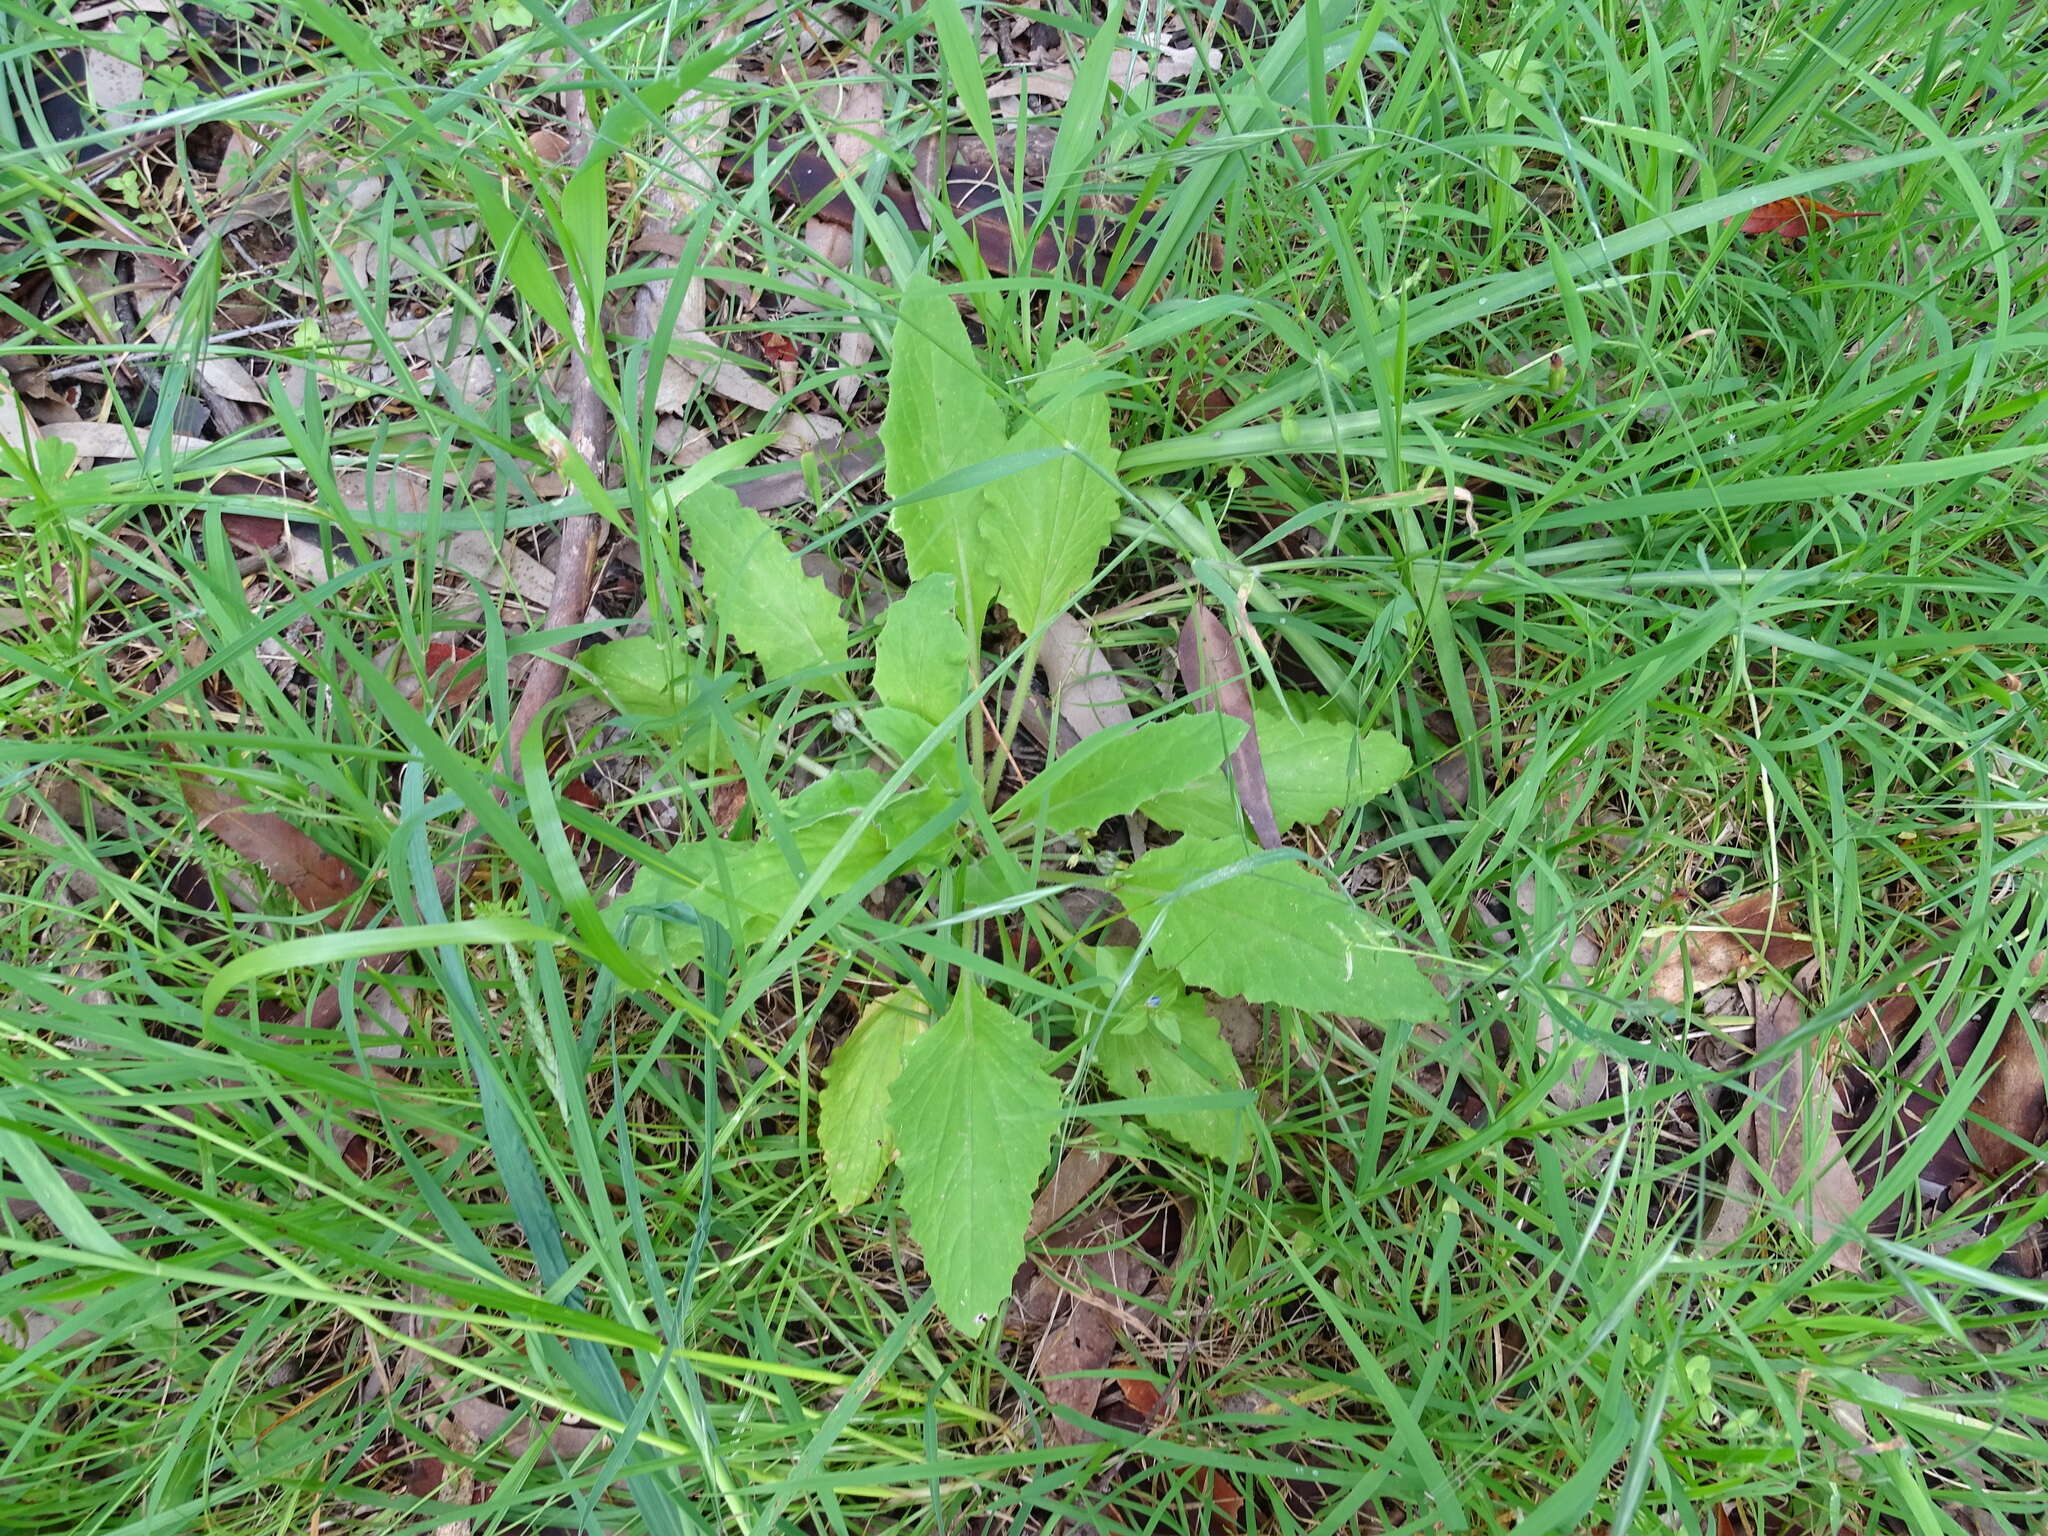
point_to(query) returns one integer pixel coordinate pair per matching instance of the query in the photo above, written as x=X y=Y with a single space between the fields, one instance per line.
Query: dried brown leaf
x=17 y=426
x=393 y=492
x=315 y=878
x=1079 y=1172
x=1078 y=1344
x=482 y=1420
x=1741 y=935
x=113 y=440
x=1794 y=1127
x=1212 y=670
x=503 y=567
x=685 y=172
x=1088 y=693
x=1083 y=1335
x=2013 y=1101
x=1738 y=1201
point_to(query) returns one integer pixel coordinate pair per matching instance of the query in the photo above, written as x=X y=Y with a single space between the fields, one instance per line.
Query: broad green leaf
x=782 y=617
x=1274 y=934
x=1048 y=525
x=643 y=675
x=942 y=417
x=1315 y=763
x=921 y=653
x=748 y=886
x=1164 y=1045
x=853 y=1111
x=973 y=1114
x=903 y=733
x=852 y=798
x=747 y=896
x=1114 y=772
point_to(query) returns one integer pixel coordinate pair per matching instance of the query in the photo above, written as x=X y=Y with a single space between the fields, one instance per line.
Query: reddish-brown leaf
x=1705 y=953
x=1213 y=672
x=727 y=801
x=2011 y=1105
x=1796 y=217
x=1140 y=1394
x=1221 y=1492
x=450 y=674
x=314 y=877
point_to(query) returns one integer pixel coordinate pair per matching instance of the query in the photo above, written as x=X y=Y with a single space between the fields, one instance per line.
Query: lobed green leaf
x=783 y=618
x=1273 y=932
x=1315 y=760
x=973 y=1114
x=853 y=1111
x=1163 y=1044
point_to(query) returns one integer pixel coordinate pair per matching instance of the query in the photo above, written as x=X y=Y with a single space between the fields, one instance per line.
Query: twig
x=575 y=576
x=575 y=563
x=128 y=352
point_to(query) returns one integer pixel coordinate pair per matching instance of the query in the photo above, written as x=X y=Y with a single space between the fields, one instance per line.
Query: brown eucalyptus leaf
x=315 y=878
x=1703 y=954
x=2013 y=1101
x=1213 y=672
x=1795 y=1132
x=1087 y=691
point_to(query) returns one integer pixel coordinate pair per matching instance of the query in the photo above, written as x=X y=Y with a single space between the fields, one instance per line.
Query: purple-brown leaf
x=1212 y=671
x=315 y=878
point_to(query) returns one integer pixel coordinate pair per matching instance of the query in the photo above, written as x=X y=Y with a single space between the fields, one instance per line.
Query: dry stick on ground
x=575 y=578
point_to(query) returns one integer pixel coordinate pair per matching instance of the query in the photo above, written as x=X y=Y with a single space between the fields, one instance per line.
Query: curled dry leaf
x=1212 y=670
x=315 y=878
x=1796 y=217
x=1794 y=1126
x=1088 y=694
x=1741 y=935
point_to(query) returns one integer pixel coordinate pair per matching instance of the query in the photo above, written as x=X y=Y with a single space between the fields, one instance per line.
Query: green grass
x=1743 y=587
